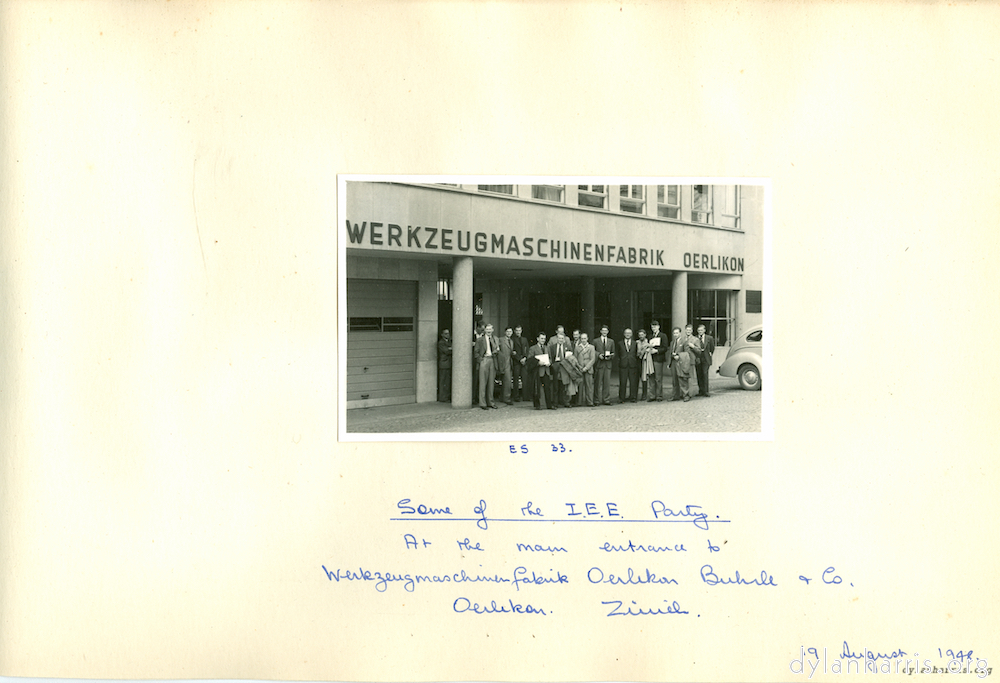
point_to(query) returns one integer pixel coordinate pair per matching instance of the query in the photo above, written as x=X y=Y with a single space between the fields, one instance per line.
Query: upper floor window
x=633 y=198
x=550 y=193
x=500 y=189
x=592 y=195
x=668 y=201
x=728 y=206
x=701 y=203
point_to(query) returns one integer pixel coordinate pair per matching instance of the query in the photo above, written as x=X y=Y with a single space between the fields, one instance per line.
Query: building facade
x=421 y=258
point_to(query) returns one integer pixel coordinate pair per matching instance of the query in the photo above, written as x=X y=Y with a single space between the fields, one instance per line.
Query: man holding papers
x=539 y=373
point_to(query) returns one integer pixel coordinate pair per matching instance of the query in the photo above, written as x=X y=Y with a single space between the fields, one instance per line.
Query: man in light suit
x=559 y=345
x=604 y=348
x=586 y=355
x=707 y=349
x=487 y=350
x=660 y=353
x=680 y=365
x=628 y=368
x=505 y=359
x=539 y=375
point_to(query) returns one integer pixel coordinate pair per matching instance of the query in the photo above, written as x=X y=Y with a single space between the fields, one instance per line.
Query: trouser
x=475 y=381
x=487 y=374
x=558 y=391
x=680 y=382
x=703 y=378
x=515 y=373
x=602 y=383
x=628 y=377
x=656 y=382
x=586 y=390
x=444 y=384
x=542 y=387
x=505 y=377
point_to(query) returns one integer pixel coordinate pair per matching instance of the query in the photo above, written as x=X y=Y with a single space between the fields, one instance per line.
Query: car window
x=755 y=336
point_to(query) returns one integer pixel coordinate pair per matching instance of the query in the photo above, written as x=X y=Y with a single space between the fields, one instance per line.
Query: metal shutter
x=381 y=360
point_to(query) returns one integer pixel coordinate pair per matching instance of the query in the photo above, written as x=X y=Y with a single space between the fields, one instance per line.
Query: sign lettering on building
x=422 y=238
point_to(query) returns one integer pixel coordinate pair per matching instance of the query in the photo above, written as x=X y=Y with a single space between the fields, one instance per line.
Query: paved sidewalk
x=728 y=409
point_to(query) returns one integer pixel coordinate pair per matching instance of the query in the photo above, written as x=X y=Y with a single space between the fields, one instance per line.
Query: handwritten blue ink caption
x=523 y=448
x=575 y=512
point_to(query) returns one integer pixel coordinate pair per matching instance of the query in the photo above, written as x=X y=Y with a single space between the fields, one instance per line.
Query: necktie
x=489 y=350
x=627 y=345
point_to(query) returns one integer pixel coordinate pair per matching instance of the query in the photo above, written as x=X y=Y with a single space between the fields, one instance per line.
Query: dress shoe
x=483 y=407
x=510 y=403
x=493 y=406
x=687 y=398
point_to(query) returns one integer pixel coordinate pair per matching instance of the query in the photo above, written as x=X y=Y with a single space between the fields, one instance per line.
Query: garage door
x=381 y=342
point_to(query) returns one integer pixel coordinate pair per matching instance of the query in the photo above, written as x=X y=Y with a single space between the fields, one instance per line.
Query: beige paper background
x=171 y=479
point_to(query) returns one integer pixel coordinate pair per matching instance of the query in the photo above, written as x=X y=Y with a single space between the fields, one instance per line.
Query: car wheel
x=749 y=377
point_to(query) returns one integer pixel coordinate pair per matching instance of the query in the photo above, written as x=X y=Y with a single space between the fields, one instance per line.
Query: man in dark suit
x=539 y=375
x=444 y=366
x=707 y=349
x=518 y=357
x=558 y=347
x=628 y=368
x=476 y=336
x=487 y=350
x=505 y=360
x=604 y=347
x=660 y=351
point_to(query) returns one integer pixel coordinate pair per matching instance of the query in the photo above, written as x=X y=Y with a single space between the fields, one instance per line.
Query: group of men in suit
x=573 y=372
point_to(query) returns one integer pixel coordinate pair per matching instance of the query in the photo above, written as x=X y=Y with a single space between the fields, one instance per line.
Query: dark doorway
x=548 y=309
x=444 y=317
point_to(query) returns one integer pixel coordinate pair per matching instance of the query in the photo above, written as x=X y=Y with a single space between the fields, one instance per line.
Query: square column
x=461 y=333
x=587 y=304
x=679 y=300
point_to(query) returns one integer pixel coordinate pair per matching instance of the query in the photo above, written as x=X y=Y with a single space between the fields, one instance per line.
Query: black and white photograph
x=526 y=304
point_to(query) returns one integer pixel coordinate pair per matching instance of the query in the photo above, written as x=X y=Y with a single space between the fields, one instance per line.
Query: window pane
x=659 y=194
x=364 y=325
x=623 y=190
x=591 y=200
x=502 y=189
x=753 y=301
x=699 y=198
x=550 y=193
x=598 y=188
x=631 y=206
x=667 y=211
x=397 y=325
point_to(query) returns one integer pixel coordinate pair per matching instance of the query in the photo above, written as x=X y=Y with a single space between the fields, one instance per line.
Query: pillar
x=587 y=304
x=679 y=300
x=461 y=333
